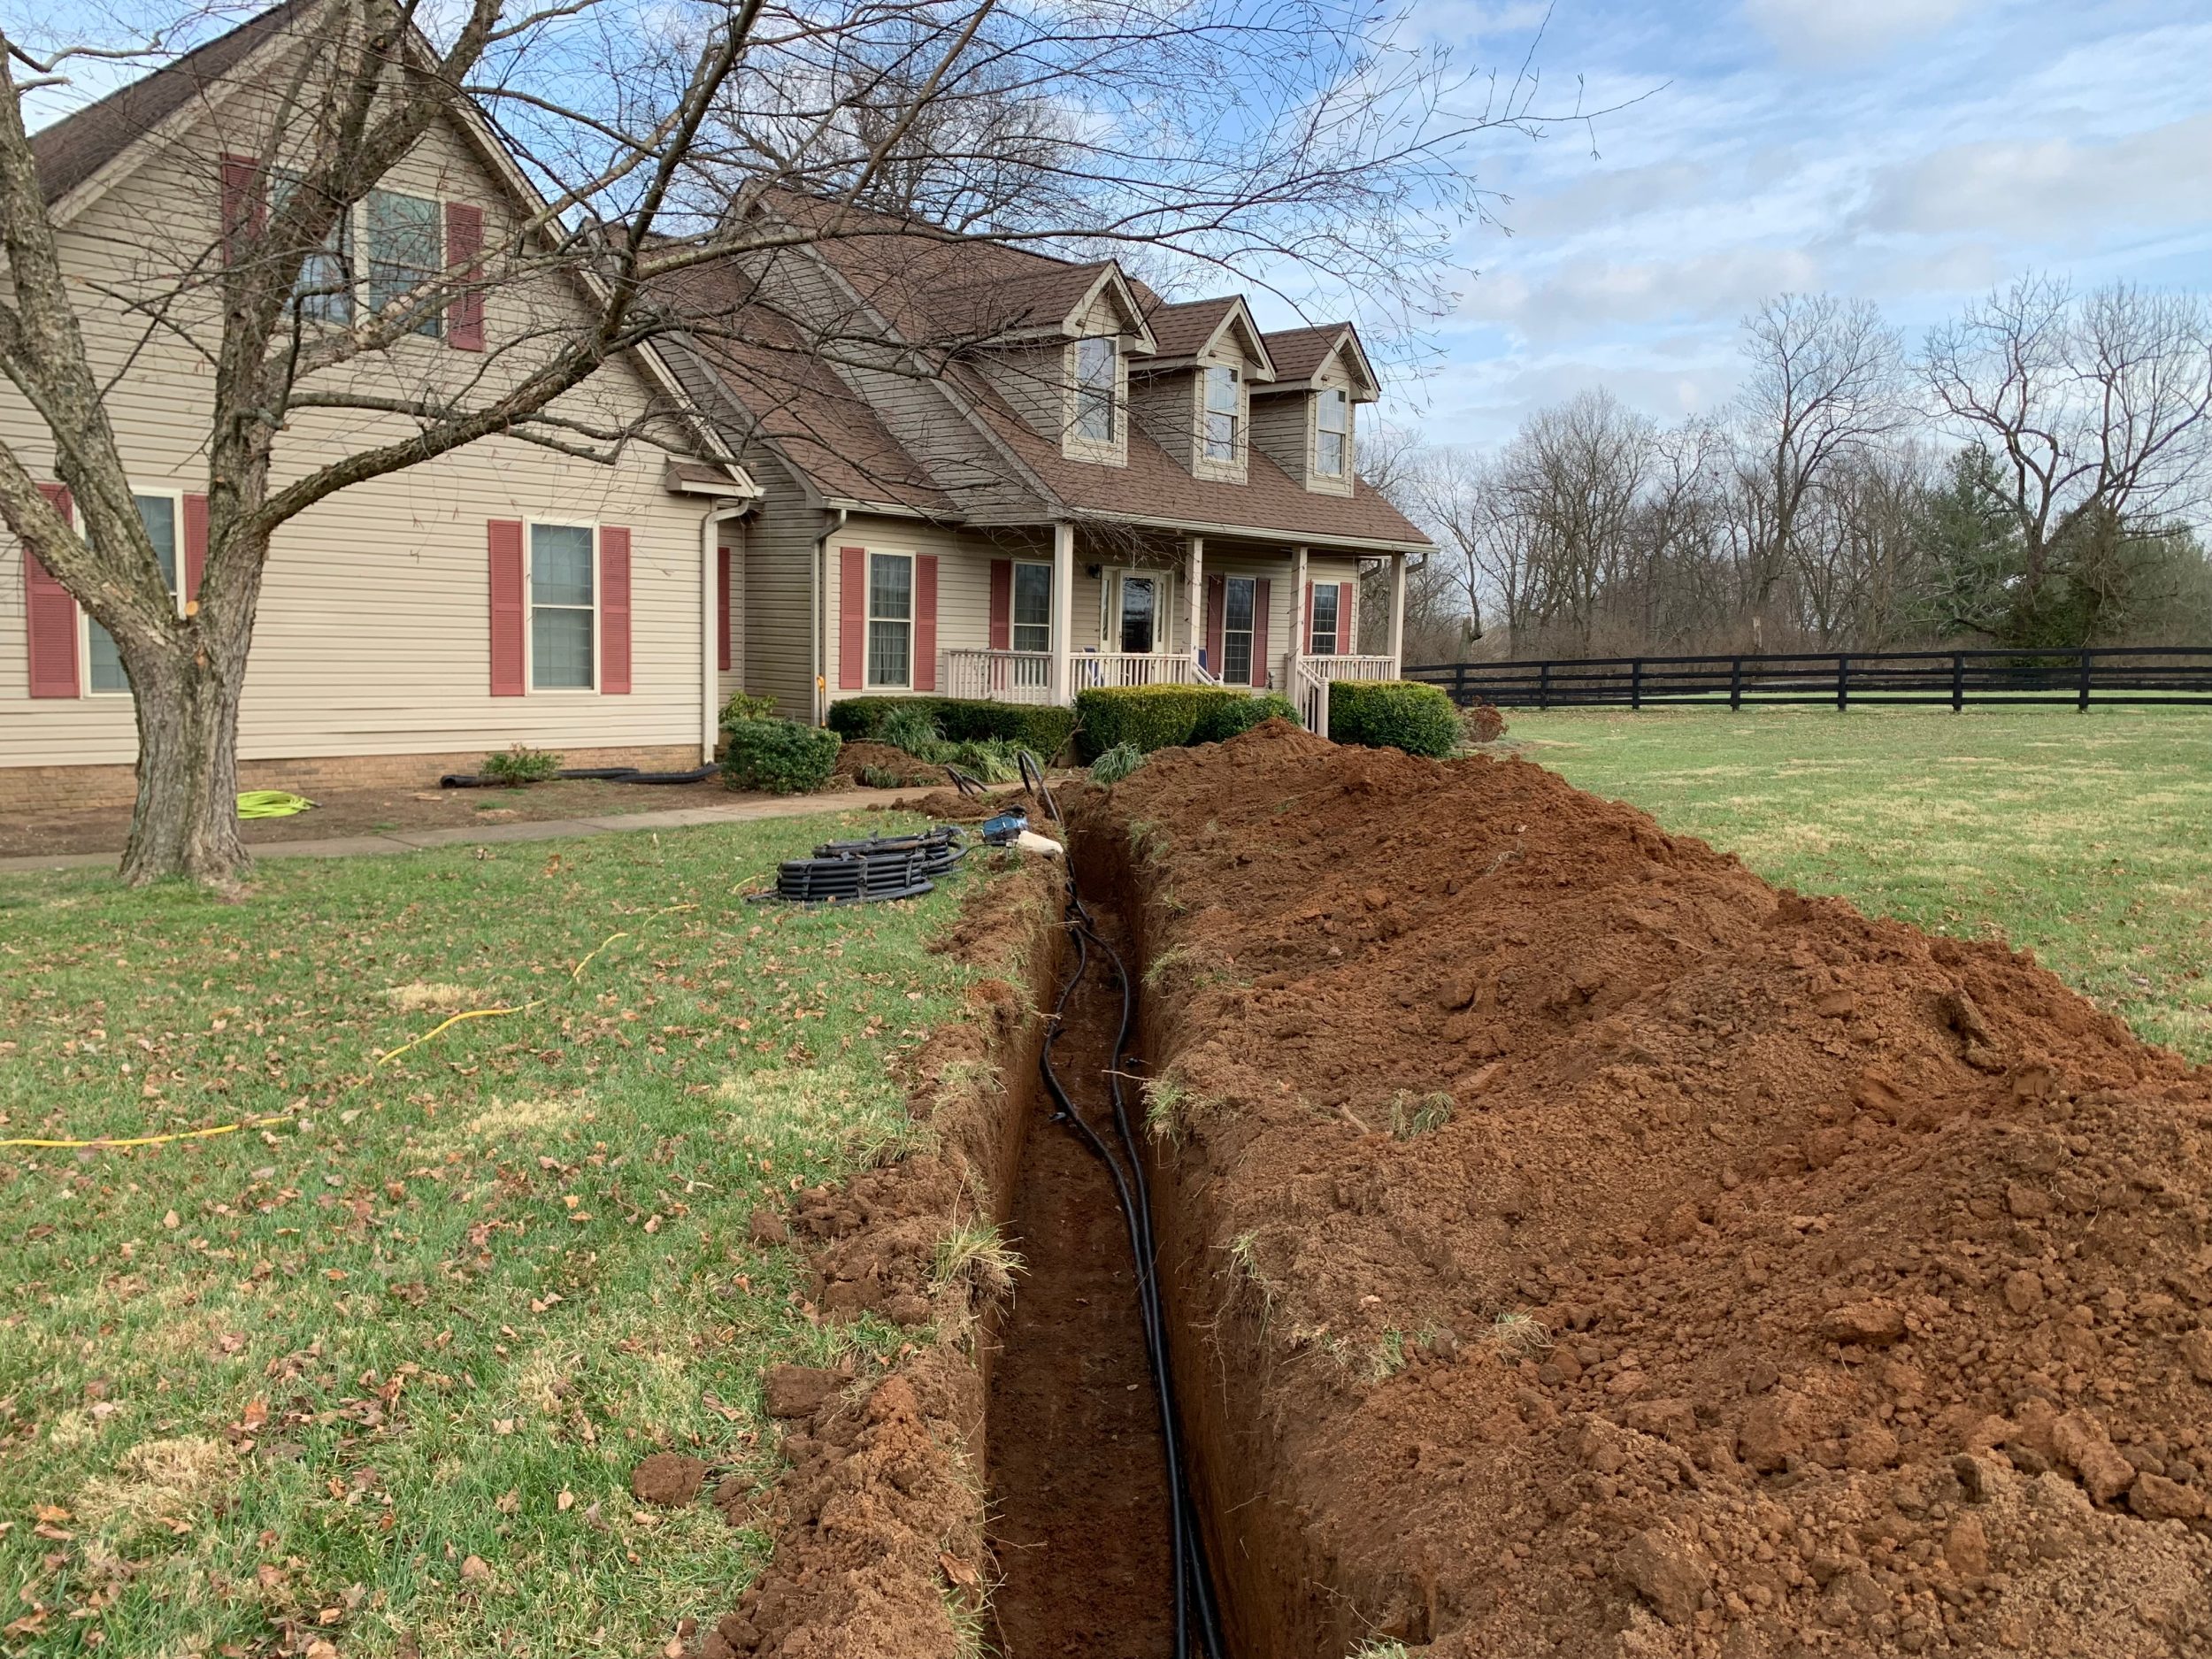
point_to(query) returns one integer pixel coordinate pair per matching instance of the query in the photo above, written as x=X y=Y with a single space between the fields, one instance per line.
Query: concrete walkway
x=545 y=830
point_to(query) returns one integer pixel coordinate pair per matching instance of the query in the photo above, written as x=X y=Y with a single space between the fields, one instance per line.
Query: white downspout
x=816 y=608
x=709 y=628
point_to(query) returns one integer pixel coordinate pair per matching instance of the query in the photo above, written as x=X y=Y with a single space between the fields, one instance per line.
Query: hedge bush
x=1041 y=728
x=1222 y=721
x=1144 y=716
x=1393 y=714
x=781 y=756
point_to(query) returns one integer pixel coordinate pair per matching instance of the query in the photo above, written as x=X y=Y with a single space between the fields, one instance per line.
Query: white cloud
x=1813 y=31
x=1582 y=295
x=2047 y=187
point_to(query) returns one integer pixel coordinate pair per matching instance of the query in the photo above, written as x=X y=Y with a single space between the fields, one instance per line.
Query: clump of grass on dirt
x=2087 y=838
x=1518 y=1336
x=286 y=1383
x=1412 y=1116
x=977 y=1255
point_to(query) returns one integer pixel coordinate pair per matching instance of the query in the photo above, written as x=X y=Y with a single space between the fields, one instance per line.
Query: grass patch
x=377 y=1374
x=2085 y=838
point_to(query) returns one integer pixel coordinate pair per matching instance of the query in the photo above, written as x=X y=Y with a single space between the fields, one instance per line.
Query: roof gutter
x=1247 y=533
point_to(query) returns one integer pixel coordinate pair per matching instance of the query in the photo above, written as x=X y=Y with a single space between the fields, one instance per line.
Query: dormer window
x=1333 y=434
x=1095 y=372
x=1223 y=406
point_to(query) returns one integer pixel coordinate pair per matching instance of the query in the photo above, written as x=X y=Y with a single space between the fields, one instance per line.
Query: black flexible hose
x=1193 y=1586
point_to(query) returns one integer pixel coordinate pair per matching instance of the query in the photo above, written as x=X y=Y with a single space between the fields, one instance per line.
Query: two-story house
x=506 y=592
x=991 y=472
x=943 y=464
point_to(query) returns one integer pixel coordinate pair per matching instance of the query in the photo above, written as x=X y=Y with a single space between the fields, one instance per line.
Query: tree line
x=2034 y=473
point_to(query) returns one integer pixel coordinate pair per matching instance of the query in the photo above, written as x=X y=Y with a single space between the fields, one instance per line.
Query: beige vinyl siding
x=372 y=633
x=964 y=586
x=1166 y=406
x=729 y=680
x=782 y=536
x=1281 y=425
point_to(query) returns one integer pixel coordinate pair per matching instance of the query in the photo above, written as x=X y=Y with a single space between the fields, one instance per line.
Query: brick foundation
x=33 y=789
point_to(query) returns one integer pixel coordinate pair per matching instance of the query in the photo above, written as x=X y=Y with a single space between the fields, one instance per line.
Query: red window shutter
x=50 y=616
x=463 y=241
x=852 y=617
x=1308 y=624
x=1347 y=642
x=195 y=547
x=1217 y=615
x=1260 y=591
x=614 y=610
x=244 y=215
x=925 y=622
x=722 y=608
x=504 y=538
x=1001 y=604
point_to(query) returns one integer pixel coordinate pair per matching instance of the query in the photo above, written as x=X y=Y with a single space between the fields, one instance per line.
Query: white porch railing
x=1005 y=676
x=1095 y=669
x=1311 y=690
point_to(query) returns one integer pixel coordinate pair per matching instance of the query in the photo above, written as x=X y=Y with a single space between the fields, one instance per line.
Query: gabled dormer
x=1056 y=346
x=1194 y=395
x=1306 y=421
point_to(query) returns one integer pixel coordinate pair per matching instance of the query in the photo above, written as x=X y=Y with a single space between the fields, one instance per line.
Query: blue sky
x=1912 y=152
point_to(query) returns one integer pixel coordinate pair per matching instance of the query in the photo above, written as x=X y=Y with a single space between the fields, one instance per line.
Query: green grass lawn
x=2085 y=837
x=375 y=1376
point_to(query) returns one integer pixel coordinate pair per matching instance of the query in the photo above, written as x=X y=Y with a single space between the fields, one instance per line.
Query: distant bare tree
x=2098 y=410
x=1825 y=377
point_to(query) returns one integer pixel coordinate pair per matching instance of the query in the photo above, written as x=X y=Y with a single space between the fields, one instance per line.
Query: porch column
x=1064 y=612
x=1194 y=600
x=1297 y=623
x=1397 y=614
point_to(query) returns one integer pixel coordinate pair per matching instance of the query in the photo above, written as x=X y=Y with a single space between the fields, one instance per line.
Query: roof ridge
x=71 y=147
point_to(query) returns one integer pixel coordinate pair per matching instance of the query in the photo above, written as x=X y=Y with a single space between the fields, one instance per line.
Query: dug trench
x=1572 y=1245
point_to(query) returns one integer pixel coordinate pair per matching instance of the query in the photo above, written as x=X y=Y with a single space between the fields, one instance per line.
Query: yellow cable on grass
x=155 y=1141
x=474 y=1013
x=262 y=1123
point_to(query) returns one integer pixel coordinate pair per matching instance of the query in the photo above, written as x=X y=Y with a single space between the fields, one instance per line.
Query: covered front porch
x=1121 y=609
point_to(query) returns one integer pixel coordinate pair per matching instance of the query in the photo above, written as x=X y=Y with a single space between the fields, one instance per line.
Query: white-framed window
x=1239 y=598
x=162 y=512
x=1326 y=624
x=1223 y=408
x=323 y=291
x=891 y=619
x=563 y=601
x=406 y=248
x=1032 y=607
x=1097 y=371
x=1333 y=433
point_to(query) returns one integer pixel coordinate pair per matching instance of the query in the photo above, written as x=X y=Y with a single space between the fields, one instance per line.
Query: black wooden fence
x=2115 y=674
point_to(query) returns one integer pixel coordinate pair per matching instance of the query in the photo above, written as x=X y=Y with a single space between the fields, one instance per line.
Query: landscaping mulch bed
x=1592 y=1249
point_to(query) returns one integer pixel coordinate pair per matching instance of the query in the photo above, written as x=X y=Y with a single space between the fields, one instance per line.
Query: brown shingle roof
x=796 y=401
x=1182 y=329
x=71 y=150
x=1298 y=352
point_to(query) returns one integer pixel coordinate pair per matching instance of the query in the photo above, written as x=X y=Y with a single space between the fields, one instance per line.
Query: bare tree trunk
x=186 y=820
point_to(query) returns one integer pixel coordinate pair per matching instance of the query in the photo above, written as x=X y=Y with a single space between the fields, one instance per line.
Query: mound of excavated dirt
x=863 y=754
x=1596 y=1251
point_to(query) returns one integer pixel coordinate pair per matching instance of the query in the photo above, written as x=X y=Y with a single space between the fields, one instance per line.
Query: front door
x=1140 y=613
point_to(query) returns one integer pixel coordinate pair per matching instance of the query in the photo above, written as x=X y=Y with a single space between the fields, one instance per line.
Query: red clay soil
x=1744 y=1277
x=1077 y=1477
x=912 y=773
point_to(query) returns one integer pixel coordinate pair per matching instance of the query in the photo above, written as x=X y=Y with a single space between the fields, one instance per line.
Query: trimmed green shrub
x=744 y=706
x=1041 y=728
x=1145 y=717
x=1117 y=763
x=781 y=756
x=1393 y=714
x=518 y=766
x=1222 y=721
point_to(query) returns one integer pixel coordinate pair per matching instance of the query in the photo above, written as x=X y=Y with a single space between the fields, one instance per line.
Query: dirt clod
x=796 y=1391
x=668 y=1479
